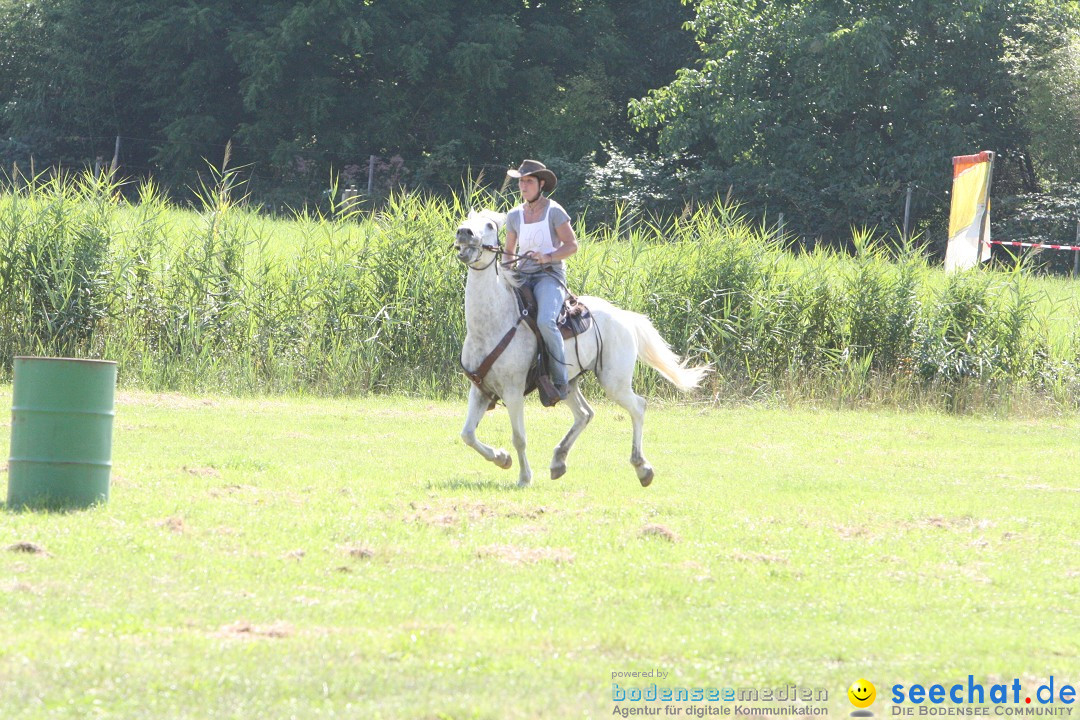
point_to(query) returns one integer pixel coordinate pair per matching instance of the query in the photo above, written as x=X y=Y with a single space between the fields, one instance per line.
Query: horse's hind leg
x=478 y=404
x=635 y=406
x=582 y=415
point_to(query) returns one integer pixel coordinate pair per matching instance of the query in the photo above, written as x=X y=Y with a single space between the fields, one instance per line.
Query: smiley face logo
x=862 y=693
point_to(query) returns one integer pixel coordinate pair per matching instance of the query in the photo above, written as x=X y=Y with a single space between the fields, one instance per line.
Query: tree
x=67 y=84
x=302 y=87
x=190 y=105
x=1051 y=105
x=827 y=109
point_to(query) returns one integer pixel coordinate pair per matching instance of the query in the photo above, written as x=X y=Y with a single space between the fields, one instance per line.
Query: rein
x=500 y=253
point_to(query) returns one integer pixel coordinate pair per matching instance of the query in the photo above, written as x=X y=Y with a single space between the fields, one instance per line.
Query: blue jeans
x=549 y=301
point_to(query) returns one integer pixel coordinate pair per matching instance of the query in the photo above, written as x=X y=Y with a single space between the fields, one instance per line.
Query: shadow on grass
x=461 y=483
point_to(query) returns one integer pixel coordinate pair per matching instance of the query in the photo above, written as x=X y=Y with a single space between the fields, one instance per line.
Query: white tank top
x=535 y=236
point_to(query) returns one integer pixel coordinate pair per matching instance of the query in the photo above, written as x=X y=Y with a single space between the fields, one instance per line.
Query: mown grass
x=281 y=557
x=222 y=299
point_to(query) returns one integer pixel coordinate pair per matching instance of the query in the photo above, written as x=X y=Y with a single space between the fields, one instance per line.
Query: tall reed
x=361 y=300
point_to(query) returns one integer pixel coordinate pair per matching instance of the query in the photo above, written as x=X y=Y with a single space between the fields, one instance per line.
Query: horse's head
x=478 y=235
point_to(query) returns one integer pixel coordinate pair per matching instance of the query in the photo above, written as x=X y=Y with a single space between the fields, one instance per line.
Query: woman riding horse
x=540 y=230
x=497 y=358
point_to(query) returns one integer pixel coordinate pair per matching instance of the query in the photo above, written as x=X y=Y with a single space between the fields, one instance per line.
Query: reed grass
x=219 y=298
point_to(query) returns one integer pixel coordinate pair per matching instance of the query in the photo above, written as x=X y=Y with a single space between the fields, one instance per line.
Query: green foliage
x=306 y=88
x=369 y=301
x=977 y=331
x=55 y=266
x=881 y=303
x=643 y=182
x=1050 y=216
x=827 y=110
x=1050 y=102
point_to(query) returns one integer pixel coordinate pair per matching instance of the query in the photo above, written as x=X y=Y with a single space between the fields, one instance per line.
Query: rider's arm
x=567 y=244
x=511 y=238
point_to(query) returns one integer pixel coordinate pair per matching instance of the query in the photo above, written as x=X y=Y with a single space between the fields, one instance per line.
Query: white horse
x=610 y=349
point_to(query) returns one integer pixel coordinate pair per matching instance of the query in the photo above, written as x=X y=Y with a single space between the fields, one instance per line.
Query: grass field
x=280 y=558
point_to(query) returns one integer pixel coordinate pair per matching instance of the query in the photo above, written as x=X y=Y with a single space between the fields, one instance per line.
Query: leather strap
x=531 y=322
x=477 y=376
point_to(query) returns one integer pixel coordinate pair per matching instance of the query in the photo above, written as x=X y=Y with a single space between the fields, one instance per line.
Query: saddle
x=574 y=319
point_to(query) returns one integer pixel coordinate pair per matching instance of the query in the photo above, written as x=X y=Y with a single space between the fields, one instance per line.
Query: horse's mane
x=511 y=278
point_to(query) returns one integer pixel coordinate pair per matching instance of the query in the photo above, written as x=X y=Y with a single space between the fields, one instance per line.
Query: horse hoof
x=524 y=482
x=645 y=475
x=503 y=460
x=557 y=471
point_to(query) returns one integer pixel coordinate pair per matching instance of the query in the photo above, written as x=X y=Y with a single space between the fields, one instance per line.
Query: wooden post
x=115 y=158
x=907 y=213
x=1076 y=253
x=370 y=174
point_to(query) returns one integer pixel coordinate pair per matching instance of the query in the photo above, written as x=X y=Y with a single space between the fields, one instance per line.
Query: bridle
x=498 y=254
x=496 y=249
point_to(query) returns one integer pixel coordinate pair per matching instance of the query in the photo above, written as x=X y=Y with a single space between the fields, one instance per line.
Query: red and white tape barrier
x=1036 y=245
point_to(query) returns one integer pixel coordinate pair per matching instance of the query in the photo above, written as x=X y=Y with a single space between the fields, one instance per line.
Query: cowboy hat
x=539 y=169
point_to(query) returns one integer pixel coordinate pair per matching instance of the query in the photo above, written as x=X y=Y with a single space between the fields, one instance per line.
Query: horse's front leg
x=515 y=405
x=478 y=404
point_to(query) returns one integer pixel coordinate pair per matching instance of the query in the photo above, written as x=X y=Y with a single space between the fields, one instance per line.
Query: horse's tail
x=655 y=351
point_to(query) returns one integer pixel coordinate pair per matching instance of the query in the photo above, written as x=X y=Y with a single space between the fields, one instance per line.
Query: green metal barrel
x=61 y=433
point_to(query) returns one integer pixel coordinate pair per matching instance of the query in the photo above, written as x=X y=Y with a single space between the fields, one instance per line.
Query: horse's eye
x=491 y=226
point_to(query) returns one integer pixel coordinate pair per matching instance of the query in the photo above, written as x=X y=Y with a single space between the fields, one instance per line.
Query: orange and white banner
x=969 y=219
